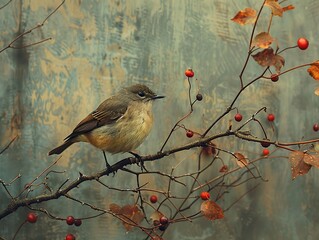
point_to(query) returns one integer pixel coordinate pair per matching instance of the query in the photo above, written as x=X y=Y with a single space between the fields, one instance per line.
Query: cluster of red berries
x=238 y=117
x=32 y=218
x=70 y=220
x=162 y=223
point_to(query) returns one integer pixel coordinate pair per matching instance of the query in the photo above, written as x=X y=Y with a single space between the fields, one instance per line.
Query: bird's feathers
x=108 y=112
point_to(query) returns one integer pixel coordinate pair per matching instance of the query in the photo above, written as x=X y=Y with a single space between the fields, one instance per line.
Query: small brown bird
x=119 y=124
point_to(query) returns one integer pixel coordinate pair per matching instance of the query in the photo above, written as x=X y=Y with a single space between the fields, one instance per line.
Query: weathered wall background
x=100 y=46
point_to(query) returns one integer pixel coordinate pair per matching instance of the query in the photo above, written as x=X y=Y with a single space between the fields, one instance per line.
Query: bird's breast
x=127 y=133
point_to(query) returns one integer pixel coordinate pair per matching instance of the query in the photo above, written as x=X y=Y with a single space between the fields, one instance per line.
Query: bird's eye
x=141 y=94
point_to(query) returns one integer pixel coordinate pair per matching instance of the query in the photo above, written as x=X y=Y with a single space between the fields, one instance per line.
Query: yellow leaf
x=262 y=40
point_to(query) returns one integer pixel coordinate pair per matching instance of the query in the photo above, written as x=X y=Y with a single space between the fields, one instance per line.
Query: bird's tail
x=61 y=148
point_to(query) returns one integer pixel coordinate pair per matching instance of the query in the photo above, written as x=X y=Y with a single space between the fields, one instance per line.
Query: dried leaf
x=262 y=40
x=298 y=166
x=288 y=8
x=267 y=58
x=246 y=16
x=209 y=149
x=316 y=147
x=241 y=160
x=129 y=214
x=313 y=70
x=317 y=91
x=156 y=216
x=211 y=210
x=223 y=169
x=312 y=159
x=275 y=7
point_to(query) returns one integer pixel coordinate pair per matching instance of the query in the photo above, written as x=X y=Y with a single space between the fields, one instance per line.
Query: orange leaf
x=246 y=16
x=223 y=169
x=262 y=40
x=276 y=9
x=241 y=160
x=267 y=58
x=130 y=215
x=288 y=8
x=314 y=70
x=298 y=166
x=312 y=159
x=211 y=210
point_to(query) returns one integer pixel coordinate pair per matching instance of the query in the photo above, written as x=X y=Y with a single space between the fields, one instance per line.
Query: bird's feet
x=139 y=158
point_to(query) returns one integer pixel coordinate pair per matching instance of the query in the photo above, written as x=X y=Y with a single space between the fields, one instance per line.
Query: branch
x=40 y=25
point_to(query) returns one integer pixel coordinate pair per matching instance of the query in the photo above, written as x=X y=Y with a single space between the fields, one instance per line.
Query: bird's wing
x=108 y=112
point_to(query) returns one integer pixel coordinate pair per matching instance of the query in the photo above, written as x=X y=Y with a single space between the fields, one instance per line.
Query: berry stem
x=19 y=228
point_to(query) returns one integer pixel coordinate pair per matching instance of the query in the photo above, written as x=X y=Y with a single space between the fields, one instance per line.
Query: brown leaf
x=209 y=149
x=130 y=215
x=267 y=58
x=246 y=16
x=211 y=210
x=317 y=91
x=312 y=159
x=262 y=40
x=241 y=160
x=275 y=7
x=313 y=70
x=288 y=8
x=223 y=169
x=298 y=166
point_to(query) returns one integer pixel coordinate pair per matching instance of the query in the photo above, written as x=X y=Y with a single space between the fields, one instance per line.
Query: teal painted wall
x=99 y=46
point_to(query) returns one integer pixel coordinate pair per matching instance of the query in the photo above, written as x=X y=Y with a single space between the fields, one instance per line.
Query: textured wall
x=100 y=46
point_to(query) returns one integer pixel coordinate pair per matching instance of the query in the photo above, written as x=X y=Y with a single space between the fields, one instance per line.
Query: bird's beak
x=157 y=97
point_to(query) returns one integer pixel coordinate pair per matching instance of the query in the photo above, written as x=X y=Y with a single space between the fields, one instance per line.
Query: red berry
x=70 y=220
x=163 y=220
x=266 y=152
x=238 y=117
x=189 y=133
x=274 y=77
x=153 y=199
x=69 y=236
x=265 y=144
x=199 y=97
x=316 y=127
x=271 y=117
x=32 y=217
x=189 y=73
x=204 y=195
x=77 y=222
x=303 y=43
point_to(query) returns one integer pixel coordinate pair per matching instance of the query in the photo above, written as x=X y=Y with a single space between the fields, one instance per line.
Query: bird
x=119 y=124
